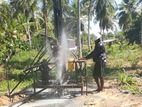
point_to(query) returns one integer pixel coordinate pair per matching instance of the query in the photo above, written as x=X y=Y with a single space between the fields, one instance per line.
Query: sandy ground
x=111 y=96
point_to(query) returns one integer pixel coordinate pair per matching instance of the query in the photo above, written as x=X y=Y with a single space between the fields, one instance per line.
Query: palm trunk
x=141 y=26
x=45 y=18
x=28 y=33
x=141 y=32
x=79 y=36
x=89 y=44
x=89 y=9
x=102 y=34
x=46 y=30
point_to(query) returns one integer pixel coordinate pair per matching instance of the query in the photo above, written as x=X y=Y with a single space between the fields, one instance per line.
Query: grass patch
x=118 y=57
x=126 y=82
x=22 y=59
x=12 y=83
x=15 y=70
x=111 y=73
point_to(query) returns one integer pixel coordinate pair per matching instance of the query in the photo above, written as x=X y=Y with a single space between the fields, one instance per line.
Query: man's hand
x=83 y=58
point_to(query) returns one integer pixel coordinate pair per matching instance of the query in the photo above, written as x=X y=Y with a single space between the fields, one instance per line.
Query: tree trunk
x=79 y=36
x=141 y=26
x=46 y=28
x=102 y=34
x=45 y=19
x=141 y=32
x=28 y=33
x=89 y=9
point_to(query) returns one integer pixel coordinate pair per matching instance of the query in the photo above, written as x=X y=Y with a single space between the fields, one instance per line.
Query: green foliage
x=10 y=44
x=2 y=75
x=38 y=42
x=109 y=36
x=133 y=34
x=12 y=83
x=9 y=33
x=22 y=59
x=122 y=53
x=132 y=88
x=122 y=58
x=85 y=50
x=127 y=82
x=16 y=65
x=130 y=20
x=104 y=13
x=125 y=79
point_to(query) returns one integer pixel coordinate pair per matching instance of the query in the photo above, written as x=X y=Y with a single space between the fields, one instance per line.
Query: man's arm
x=90 y=55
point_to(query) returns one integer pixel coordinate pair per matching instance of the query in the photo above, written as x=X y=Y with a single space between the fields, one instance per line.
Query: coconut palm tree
x=46 y=9
x=87 y=10
x=71 y=18
x=130 y=19
x=72 y=21
x=104 y=11
x=127 y=13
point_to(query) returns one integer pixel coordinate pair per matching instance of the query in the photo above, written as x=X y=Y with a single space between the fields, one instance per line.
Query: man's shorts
x=98 y=69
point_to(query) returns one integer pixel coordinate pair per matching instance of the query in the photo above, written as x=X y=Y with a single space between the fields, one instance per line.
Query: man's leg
x=101 y=78
x=98 y=84
x=96 y=74
x=102 y=82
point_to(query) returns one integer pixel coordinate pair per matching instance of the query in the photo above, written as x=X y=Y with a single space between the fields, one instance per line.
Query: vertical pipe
x=60 y=26
x=57 y=18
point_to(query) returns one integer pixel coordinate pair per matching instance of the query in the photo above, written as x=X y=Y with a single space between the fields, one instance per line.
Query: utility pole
x=78 y=30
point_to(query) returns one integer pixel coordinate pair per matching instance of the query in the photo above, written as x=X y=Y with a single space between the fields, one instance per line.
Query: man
x=99 y=57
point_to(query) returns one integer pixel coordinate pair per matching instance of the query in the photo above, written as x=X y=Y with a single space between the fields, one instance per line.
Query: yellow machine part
x=71 y=65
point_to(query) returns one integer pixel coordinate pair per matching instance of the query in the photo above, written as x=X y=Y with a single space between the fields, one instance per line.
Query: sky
x=96 y=28
x=118 y=1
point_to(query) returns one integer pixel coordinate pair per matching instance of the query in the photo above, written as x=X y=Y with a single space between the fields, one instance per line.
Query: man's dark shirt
x=97 y=53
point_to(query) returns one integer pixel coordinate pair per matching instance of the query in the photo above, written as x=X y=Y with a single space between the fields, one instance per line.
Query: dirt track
x=110 y=97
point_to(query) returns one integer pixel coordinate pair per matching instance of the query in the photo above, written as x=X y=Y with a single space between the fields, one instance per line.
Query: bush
x=85 y=50
x=125 y=79
x=127 y=82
